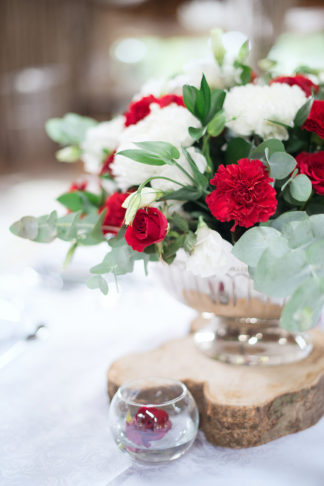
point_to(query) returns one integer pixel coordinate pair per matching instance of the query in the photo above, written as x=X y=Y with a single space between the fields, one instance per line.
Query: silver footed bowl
x=242 y=324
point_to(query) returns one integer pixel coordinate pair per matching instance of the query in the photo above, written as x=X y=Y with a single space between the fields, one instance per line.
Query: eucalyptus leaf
x=301 y=187
x=98 y=282
x=303 y=309
x=252 y=244
x=69 y=130
x=279 y=276
x=273 y=145
x=281 y=165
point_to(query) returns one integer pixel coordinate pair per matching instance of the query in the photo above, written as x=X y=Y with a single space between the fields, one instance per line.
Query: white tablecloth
x=54 y=405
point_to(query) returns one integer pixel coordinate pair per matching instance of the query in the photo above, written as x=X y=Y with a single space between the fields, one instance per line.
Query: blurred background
x=91 y=57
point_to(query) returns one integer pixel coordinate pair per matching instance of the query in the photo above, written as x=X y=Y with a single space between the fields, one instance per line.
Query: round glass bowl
x=154 y=419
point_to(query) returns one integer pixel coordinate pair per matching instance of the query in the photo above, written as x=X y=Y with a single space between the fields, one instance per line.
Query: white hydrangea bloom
x=173 y=172
x=105 y=135
x=249 y=108
x=169 y=124
x=212 y=255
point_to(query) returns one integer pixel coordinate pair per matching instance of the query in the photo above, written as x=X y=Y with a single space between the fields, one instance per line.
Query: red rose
x=115 y=213
x=141 y=108
x=149 y=226
x=315 y=120
x=313 y=166
x=106 y=166
x=242 y=193
x=78 y=186
x=299 y=80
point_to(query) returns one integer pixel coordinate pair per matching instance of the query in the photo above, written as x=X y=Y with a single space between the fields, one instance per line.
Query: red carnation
x=149 y=226
x=313 y=166
x=141 y=108
x=166 y=100
x=78 y=186
x=106 y=166
x=315 y=120
x=115 y=213
x=242 y=194
x=299 y=80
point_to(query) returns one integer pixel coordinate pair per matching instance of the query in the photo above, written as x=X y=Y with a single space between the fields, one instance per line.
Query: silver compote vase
x=242 y=324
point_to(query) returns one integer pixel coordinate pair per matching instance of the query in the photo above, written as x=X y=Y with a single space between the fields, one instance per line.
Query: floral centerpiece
x=218 y=164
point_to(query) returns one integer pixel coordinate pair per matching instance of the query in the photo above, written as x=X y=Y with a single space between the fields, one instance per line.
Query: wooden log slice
x=239 y=406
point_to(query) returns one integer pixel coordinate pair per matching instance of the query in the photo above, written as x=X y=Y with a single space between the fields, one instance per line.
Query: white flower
x=169 y=124
x=249 y=108
x=173 y=172
x=212 y=255
x=104 y=136
x=138 y=200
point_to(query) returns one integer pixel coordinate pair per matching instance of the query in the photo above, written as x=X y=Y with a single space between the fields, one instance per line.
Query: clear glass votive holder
x=154 y=419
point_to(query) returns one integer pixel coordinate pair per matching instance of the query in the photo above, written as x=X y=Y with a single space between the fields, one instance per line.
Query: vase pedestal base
x=240 y=406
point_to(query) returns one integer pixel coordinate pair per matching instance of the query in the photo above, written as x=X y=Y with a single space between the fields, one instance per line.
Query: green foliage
x=237 y=148
x=98 y=282
x=203 y=103
x=286 y=260
x=273 y=145
x=217 y=124
x=281 y=165
x=301 y=187
x=81 y=201
x=152 y=153
x=69 y=130
x=71 y=227
x=303 y=112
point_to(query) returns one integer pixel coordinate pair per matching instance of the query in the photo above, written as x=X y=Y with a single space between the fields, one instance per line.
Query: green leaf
x=252 y=244
x=189 y=97
x=217 y=45
x=246 y=74
x=80 y=200
x=70 y=254
x=142 y=156
x=200 y=178
x=285 y=218
x=302 y=113
x=281 y=165
x=217 y=124
x=188 y=193
x=301 y=187
x=314 y=255
x=203 y=101
x=189 y=241
x=170 y=248
x=91 y=229
x=98 y=282
x=69 y=130
x=196 y=133
x=119 y=261
x=304 y=307
x=165 y=150
x=273 y=145
x=298 y=233
x=69 y=154
x=279 y=276
x=237 y=149
x=67 y=226
x=243 y=52
x=217 y=99
x=180 y=222
x=26 y=227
